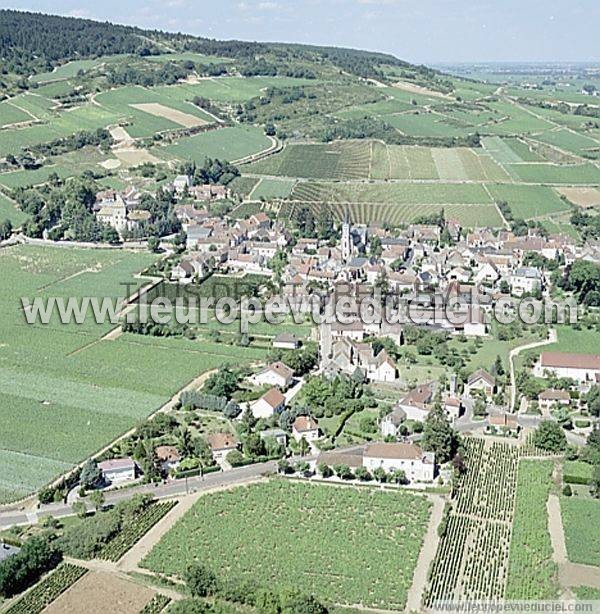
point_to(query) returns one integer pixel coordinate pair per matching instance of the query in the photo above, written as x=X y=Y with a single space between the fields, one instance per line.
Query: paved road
x=169 y=489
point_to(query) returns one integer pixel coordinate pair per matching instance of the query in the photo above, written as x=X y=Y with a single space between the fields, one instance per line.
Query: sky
x=421 y=31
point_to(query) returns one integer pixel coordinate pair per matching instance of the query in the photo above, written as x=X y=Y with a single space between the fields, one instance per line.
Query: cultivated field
x=225 y=143
x=470 y=216
x=341 y=160
x=578 y=516
x=496 y=543
x=531 y=573
x=582 y=197
x=345 y=545
x=64 y=392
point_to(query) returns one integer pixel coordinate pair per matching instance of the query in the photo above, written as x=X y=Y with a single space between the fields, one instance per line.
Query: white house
x=272 y=402
x=452 y=407
x=275 y=374
x=480 y=380
x=390 y=424
x=525 y=280
x=580 y=367
x=382 y=368
x=417 y=403
x=305 y=427
x=221 y=444
x=181 y=182
x=418 y=466
x=117 y=470
x=286 y=341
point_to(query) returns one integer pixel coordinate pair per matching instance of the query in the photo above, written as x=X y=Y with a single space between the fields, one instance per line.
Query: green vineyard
x=133 y=532
x=46 y=591
x=495 y=541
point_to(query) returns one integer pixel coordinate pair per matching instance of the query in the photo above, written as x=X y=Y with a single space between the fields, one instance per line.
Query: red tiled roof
x=572 y=361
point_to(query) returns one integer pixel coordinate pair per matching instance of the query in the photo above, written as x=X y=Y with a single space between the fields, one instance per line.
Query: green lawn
x=584 y=341
x=345 y=545
x=581 y=518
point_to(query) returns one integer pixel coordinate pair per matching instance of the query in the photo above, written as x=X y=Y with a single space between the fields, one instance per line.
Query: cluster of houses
x=245 y=246
x=479 y=268
x=121 y=209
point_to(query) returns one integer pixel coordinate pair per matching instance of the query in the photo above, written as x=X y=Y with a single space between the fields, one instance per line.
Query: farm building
x=584 y=368
x=547 y=399
x=286 y=341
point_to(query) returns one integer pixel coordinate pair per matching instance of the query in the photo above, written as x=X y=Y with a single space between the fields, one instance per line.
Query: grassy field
x=529 y=201
x=553 y=173
x=64 y=392
x=579 y=516
x=315 y=537
x=11 y=114
x=273 y=188
x=570 y=339
x=143 y=124
x=226 y=144
x=9 y=211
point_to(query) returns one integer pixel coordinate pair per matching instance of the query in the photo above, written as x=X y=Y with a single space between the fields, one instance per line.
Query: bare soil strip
x=426 y=556
x=179 y=117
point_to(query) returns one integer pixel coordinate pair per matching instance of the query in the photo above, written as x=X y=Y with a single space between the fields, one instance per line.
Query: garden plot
x=174 y=115
x=99 y=592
